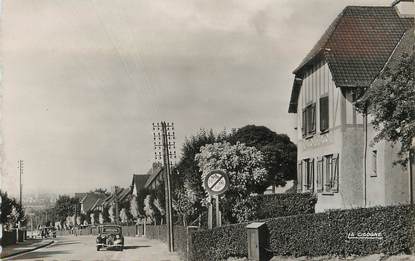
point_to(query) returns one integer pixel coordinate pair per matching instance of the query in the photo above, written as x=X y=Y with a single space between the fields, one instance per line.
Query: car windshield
x=111 y=230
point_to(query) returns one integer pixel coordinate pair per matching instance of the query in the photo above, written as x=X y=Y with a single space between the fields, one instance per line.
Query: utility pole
x=20 y=167
x=165 y=141
x=116 y=204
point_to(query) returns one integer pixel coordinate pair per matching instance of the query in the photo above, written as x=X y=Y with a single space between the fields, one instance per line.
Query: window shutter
x=327 y=173
x=335 y=166
x=304 y=123
x=313 y=118
x=299 y=178
x=311 y=185
x=319 y=174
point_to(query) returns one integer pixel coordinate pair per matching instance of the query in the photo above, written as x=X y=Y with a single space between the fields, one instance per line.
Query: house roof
x=356 y=46
x=154 y=172
x=80 y=195
x=139 y=181
x=122 y=195
x=97 y=203
x=89 y=200
x=405 y=47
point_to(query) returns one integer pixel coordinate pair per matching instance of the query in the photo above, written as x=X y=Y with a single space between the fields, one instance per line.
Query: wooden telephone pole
x=165 y=140
x=20 y=167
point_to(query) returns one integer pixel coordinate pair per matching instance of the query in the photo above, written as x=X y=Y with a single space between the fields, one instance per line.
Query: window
x=309 y=120
x=308 y=174
x=374 y=163
x=299 y=177
x=319 y=180
x=305 y=175
x=324 y=114
x=330 y=173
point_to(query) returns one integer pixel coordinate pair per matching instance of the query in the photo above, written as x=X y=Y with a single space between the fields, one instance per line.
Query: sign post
x=216 y=183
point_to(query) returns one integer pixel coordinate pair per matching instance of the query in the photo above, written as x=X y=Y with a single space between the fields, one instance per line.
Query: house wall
x=345 y=137
x=390 y=184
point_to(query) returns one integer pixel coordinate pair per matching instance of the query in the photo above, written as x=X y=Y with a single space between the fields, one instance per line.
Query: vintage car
x=110 y=236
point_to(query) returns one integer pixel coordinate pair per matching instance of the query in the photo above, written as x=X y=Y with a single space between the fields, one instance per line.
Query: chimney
x=405 y=8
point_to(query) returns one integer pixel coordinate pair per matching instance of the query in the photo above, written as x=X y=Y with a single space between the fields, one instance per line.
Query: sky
x=82 y=81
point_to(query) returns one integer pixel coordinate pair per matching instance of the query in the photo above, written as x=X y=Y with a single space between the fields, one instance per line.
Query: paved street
x=83 y=248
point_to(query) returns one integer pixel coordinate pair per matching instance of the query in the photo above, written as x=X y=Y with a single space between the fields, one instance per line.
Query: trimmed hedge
x=219 y=243
x=280 y=205
x=327 y=233
x=316 y=234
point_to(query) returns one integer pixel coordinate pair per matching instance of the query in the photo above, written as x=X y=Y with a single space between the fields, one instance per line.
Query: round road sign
x=216 y=182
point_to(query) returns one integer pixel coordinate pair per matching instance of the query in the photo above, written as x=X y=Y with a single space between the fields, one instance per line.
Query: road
x=83 y=248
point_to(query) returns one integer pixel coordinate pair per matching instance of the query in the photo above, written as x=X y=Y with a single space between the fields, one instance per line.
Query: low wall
x=158 y=232
x=182 y=237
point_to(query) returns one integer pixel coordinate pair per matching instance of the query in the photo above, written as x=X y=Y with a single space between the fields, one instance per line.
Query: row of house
x=337 y=158
x=97 y=202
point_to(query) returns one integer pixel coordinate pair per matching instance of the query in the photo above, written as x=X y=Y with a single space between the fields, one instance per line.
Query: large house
x=337 y=159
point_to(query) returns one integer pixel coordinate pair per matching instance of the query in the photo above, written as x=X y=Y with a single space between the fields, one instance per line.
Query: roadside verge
x=15 y=250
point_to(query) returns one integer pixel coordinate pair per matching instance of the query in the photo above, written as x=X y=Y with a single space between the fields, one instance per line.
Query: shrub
x=219 y=243
x=316 y=234
x=279 y=205
x=327 y=233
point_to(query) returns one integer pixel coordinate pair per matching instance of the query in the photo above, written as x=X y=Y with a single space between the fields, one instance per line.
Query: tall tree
x=187 y=172
x=391 y=104
x=280 y=154
x=246 y=169
x=65 y=206
x=11 y=211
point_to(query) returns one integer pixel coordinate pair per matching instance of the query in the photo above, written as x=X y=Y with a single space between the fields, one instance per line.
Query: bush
x=316 y=234
x=327 y=233
x=220 y=243
x=279 y=205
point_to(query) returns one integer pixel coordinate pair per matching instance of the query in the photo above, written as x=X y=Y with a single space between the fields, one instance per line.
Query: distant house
x=138 y=183
x=80 y=195
x=155 y=176
x=335 y=159
x=89 y=200
x=119 y=194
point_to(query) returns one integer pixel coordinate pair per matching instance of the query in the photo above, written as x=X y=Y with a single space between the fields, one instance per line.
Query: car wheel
x=121 y=248
x=98 y=248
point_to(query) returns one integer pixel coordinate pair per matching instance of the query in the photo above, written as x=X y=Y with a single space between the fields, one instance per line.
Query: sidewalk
x=23 y=247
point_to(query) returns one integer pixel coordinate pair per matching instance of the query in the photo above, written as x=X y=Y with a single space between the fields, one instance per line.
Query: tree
x=280 y=154
x=391 y=103
x=65 y=206
x=187 y=172
x=123 y=215
x=11 y=211
x=247 y=174
x=184 y=202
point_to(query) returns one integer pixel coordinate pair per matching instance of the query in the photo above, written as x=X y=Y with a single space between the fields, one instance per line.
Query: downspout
x=365 y=159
